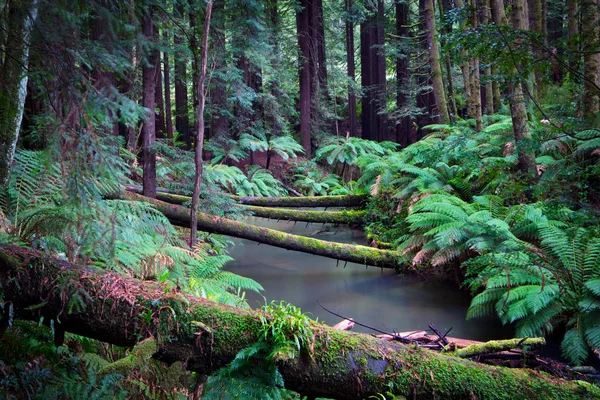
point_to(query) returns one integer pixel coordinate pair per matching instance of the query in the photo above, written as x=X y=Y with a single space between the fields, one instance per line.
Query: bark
x=496 y=346
x=536 y=20
x=488 y=107
x=13 y=78
x=353 y=127
x=149 y=128
x=373 y=79
x=302 y=24
x=193 y=35
x=590 y=33
x=167 y=75
x=104 y=80
x=346 y=252
x=199 y=139
x=403 y=128
x=439 y=93
x=518 y=111
x=182 y=121
x=158 y=93
x=206 y=336
x=443 y=7
x=218 y=94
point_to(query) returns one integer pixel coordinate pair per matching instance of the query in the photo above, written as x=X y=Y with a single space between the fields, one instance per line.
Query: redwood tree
x=149 y=126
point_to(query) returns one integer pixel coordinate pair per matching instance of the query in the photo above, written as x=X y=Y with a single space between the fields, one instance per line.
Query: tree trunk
x=207 y=336
x=445 y=6
x=302 y=24
x=168 y=116
x=193 y=35
x=353 y=127
x=518 y=111
x=149 y=129
x=346 y=252
x=403 y=127
x=488 y=108
x=573 y=33
x=590 y=33
x=158 y=94
x=199 y=139
x=439 y=93
x=218 y=93
x=536 y=19
x=13 y=78
x=182 y=121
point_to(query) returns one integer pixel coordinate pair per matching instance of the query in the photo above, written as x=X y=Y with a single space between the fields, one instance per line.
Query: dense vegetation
x=476 y=136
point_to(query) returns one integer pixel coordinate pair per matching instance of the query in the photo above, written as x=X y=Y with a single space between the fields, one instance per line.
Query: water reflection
x=380 y=298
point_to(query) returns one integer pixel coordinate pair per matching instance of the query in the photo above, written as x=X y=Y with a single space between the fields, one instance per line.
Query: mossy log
x=285 y=214
x=348 y=200
x=495 y=346
x=345 y=252
x=339 y=364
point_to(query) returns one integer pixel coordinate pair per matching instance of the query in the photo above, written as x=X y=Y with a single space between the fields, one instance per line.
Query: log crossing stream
x=380 y=298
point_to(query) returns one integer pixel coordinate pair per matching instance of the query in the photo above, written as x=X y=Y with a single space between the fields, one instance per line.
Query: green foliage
x=347 y=150
x=284 y=146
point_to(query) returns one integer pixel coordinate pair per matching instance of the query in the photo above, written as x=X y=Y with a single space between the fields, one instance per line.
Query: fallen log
x=346 y=252
x=348 y=200
x=341 y=364
x=330 y=217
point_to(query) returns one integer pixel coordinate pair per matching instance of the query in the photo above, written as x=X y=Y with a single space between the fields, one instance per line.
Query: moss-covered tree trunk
x=13 y=78
x=439 y=93
x=210 y=223
x=206 y=336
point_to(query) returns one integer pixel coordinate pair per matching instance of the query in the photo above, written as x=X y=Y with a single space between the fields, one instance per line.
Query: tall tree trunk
x=104 y=80
x=373 y=79
x=302 y=24
x=167 y=75
x=445 y=6
x=158 y=92
x=573 y=34
x=536 y=20
x=319 y=35
x=517 y=102
x=439 y=93
x=488 y=108
x=353 y=128
x=403 y=127
x=13 y=78
x=182 y=120
x=199 y=139
x=475 y=80
x=275 y=88
x=149 y=128
x=194 y=33
x=218 y=93
x=590 y=33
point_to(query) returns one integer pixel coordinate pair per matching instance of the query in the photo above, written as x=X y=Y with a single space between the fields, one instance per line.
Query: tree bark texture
x=158 y=93
x=206 y=336
x=590 y=32
x=346 y=252
x=167 y=76
x=199 y=139
x=13 y=78
x=182 y=120
x=439 y=93
x=373 y=79
x=403 y=127
x=302 y=25
x=149 y=127
x=218 y=94
x=488 y=107
x=352 y=122
x=518 y=111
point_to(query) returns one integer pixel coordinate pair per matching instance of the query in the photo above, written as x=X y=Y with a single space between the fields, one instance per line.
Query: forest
x=453 y=143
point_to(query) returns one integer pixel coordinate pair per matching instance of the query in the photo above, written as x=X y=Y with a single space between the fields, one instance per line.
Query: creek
x=380 y=298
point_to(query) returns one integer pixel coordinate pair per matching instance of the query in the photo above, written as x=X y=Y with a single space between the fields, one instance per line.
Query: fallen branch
x=496 y=346
x=342 y=364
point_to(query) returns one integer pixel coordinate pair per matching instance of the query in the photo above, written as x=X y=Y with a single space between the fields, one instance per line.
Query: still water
x=380 y=298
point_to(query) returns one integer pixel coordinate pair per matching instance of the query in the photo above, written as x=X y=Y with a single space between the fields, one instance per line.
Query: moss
x=140 y=355
x=495 y=346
